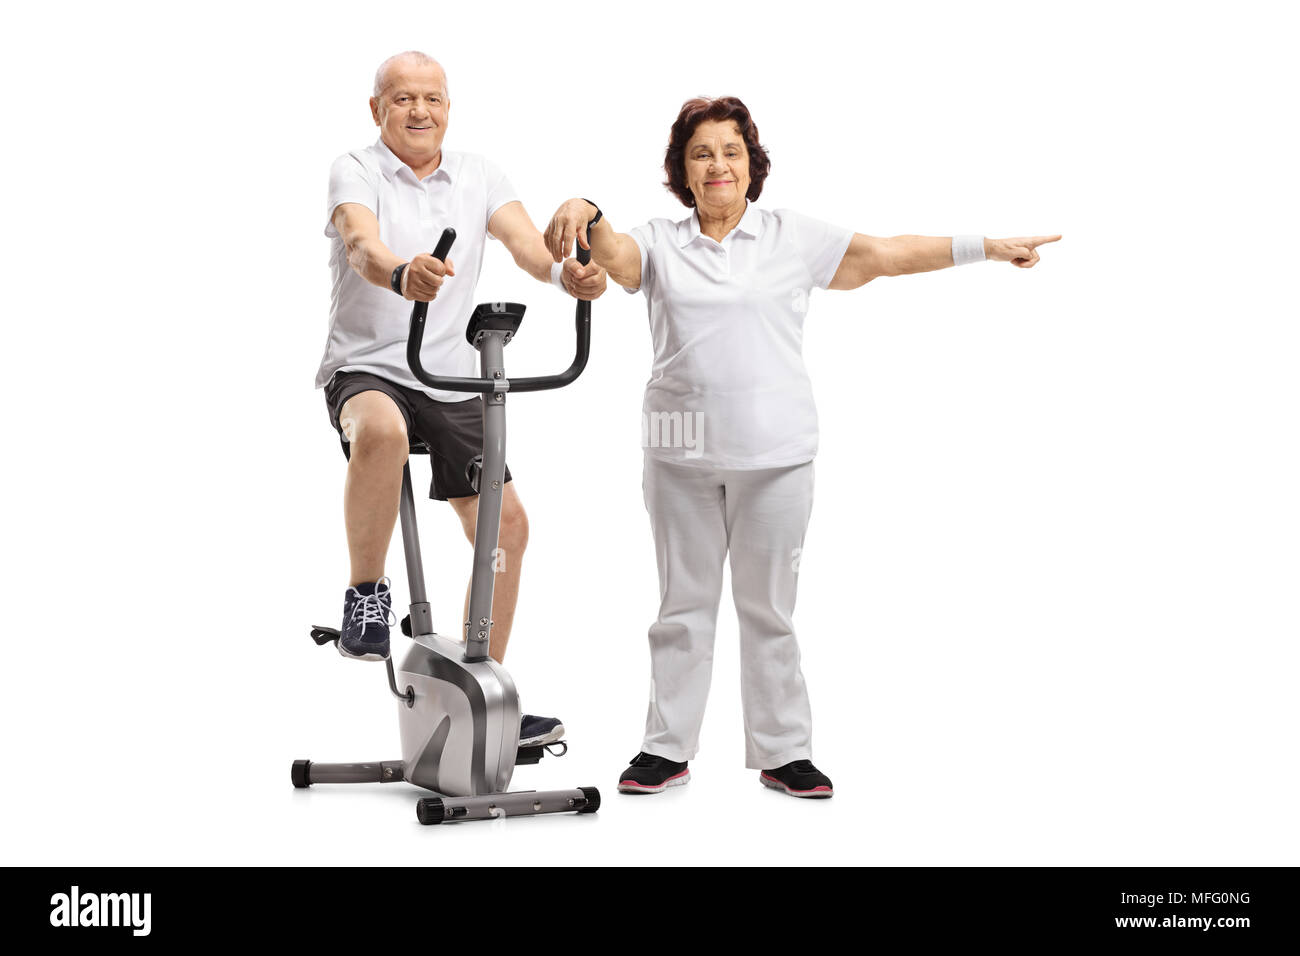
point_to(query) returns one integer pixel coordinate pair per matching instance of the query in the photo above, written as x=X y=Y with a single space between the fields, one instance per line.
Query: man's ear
x=374 y=109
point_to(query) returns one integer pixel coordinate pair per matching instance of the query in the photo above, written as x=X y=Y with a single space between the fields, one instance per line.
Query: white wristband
x=967 y=249
x=557 y=270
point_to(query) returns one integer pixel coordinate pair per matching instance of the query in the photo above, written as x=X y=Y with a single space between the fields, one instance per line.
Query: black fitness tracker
x=598 y=213
x=395 y=280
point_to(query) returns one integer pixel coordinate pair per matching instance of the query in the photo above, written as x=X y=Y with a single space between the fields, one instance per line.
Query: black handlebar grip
x=421 y=309
x=420 y=312
x=440 y=252
x=444 y=243
x=584 y=255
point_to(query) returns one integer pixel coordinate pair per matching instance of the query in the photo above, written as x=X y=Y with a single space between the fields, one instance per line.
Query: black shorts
x=452 y=430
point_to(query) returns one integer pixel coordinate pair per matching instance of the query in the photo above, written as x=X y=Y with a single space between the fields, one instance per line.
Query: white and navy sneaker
x=651 y=774
x=366 y=610
x=539 y=731
x=799 y=779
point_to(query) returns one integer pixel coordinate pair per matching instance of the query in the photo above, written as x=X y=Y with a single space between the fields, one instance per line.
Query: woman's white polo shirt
x=728 y=388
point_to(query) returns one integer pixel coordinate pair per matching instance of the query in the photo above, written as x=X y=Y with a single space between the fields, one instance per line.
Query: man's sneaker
x=539 y=731
x=799 y=779
x=366 y=610
x=650 y=774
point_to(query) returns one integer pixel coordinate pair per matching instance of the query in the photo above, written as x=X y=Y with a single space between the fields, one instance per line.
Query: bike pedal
x=529 y=755
x=324 y=635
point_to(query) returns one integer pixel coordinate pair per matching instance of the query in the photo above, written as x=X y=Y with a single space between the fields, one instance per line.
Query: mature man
x=388 y=204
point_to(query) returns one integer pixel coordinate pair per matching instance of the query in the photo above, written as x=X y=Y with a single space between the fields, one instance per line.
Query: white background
x=1048 y=599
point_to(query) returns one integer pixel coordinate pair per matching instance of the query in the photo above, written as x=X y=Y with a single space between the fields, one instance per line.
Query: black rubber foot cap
x=301 y=773
x=429 y=811
x=593 y=799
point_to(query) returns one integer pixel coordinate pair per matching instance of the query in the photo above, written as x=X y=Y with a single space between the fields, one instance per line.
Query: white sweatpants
x=697 y=515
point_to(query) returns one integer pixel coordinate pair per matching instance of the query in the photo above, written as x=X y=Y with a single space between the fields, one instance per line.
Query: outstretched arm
x=869 y=257
x=512 y=225
x=617 y=253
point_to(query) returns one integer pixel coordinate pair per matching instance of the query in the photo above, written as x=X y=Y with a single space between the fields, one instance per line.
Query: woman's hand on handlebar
x=583 y=282
x=568 y=223
x=423 y=277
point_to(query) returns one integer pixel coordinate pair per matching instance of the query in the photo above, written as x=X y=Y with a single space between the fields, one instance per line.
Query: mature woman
x=729 y=425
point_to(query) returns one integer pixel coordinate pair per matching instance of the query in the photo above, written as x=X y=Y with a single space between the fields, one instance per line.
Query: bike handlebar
x=537 y=383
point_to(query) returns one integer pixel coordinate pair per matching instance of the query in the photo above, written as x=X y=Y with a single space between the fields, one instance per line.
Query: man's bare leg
x=513 y=540
x=376 y=432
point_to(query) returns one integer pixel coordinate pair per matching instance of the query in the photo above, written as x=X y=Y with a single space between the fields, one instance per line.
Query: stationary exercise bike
x=458 y=709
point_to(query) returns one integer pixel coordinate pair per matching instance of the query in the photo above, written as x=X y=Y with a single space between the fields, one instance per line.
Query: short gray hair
x=423 y=59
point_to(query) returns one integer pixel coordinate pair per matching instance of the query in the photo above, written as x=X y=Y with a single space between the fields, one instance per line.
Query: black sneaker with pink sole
x=650 y=774
x=799 y=779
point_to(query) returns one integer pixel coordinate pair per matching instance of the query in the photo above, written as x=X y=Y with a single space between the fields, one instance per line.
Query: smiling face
x=411 y=111
x=717 y=166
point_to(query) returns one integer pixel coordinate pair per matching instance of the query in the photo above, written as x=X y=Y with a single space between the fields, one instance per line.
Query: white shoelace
x=370 y=609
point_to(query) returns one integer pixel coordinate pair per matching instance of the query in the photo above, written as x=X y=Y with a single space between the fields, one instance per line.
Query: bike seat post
x=488 y=559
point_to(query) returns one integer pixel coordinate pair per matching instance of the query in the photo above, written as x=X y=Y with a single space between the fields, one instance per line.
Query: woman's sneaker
x=650 y=774
x=366 y=610
x=799 y=779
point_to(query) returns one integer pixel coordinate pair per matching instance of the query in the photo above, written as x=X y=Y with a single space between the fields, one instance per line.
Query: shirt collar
x=751 y=224
x=391 y=165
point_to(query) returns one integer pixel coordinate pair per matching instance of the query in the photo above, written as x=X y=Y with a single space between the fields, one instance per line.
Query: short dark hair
x=700 y=110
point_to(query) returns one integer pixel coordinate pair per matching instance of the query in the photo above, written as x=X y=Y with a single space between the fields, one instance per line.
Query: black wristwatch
x=598 y=214
x=395 y=280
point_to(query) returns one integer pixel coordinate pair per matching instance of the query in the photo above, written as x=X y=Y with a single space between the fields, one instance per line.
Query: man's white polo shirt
x=369 y=324
x=728 y=387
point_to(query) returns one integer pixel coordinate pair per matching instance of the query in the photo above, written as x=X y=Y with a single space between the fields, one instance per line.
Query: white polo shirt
x=728 y=388
x=368 y=324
